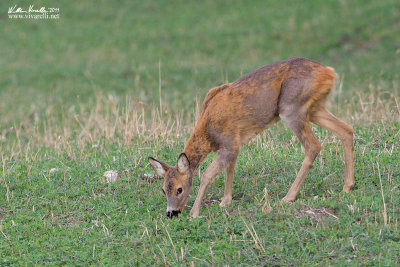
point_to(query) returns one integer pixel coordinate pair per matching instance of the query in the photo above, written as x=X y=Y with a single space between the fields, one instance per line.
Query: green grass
x=81 y=95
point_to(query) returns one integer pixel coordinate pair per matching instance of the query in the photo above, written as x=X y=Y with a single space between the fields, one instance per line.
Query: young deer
x=294 y=90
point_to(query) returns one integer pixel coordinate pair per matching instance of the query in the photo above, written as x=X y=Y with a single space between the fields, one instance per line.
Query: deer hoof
x=287 y=200
x=348 y=188
x=195 y=213
x=226 y=201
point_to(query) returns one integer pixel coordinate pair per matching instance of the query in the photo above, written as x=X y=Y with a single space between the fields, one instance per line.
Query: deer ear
x=159 y=167
x=183 y=163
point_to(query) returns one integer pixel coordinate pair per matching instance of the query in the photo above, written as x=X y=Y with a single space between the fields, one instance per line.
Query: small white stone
x=53 y=170
x=111 y=176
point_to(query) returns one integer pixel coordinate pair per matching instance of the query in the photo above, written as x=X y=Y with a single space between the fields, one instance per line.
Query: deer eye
x=180 y=190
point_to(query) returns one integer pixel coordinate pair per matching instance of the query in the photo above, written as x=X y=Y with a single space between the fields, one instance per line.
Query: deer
x=294 y=90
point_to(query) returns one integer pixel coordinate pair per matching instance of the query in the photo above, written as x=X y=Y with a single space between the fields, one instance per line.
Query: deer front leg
x=215 y=168
x=227 y=199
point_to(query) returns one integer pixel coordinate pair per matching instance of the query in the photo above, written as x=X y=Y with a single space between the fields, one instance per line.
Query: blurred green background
x=113 y=47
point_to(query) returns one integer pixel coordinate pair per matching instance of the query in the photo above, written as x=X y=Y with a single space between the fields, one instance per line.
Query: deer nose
x=174 y=213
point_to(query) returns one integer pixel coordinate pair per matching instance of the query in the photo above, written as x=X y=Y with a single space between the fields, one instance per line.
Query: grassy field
x=109 y=84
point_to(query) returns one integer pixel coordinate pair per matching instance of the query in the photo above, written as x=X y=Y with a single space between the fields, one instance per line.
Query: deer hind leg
x=222 y=160
x=325 y=119
x=300 y=126
x=227 y=199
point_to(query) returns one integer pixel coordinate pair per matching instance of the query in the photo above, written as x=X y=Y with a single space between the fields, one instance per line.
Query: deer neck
x=196 y=149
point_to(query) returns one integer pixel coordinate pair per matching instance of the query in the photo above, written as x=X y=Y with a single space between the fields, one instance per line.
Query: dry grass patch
x=316 y=214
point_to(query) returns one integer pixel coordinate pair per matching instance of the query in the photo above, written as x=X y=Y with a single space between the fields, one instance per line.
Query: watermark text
x=32 y=12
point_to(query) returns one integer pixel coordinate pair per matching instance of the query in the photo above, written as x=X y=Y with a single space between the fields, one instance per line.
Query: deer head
x=177 y=183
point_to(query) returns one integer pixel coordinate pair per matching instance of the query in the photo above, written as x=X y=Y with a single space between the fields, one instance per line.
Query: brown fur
x=293 y=90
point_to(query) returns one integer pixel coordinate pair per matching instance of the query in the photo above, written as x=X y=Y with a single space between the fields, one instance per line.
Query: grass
x=104 y=88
